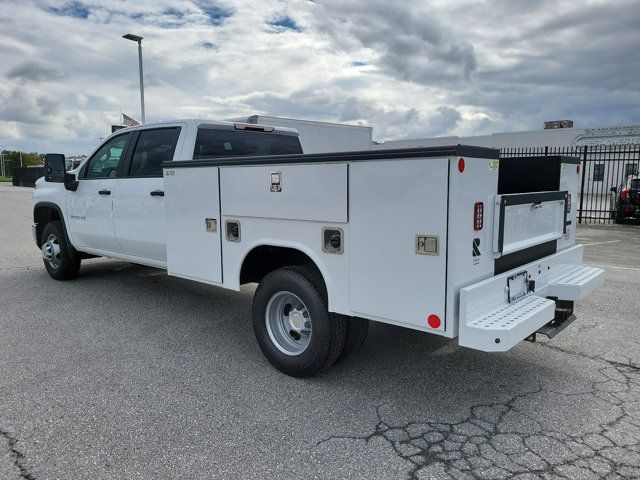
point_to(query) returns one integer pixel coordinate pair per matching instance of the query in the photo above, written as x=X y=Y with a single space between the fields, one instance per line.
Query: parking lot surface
x=128 y=373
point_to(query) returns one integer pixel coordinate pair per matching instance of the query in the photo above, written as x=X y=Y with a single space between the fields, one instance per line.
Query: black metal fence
x=601 y=167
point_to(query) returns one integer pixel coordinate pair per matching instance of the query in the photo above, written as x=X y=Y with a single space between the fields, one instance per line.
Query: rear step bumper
x=489 y=321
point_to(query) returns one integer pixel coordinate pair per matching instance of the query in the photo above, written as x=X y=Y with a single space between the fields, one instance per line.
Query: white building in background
x=550 y=137
x=600 y=174
x=319 y=137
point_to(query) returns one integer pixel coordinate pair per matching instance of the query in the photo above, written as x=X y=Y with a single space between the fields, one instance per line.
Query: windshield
x=231 y=143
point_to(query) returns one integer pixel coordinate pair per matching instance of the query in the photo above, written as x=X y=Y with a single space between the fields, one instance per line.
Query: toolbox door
x=398 y=221
x=192 y=212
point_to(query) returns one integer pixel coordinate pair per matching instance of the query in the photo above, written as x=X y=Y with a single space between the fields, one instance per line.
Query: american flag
x=128 y=121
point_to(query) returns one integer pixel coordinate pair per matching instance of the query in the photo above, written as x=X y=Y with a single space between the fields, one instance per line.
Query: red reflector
x=478 y=216
x=461 y=165
x=434 y=321
x=624 y=193
x=578 y=168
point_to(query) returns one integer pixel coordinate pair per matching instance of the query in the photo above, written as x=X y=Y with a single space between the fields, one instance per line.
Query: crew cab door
x=90 y=207
x=138 y=200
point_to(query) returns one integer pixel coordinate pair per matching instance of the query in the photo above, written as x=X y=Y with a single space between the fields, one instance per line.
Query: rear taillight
x=625 y=193
x=478 y=216
x=568 y=204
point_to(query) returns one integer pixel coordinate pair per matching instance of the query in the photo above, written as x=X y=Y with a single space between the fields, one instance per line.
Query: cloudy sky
x=412 y=68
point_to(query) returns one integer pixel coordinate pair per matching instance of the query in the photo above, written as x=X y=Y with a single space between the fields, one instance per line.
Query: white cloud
x=406 y=68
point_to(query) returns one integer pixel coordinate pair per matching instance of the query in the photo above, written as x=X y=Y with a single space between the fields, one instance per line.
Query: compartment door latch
x=427 y=245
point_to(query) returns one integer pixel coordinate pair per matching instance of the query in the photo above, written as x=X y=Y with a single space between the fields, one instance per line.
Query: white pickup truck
x=450 y=240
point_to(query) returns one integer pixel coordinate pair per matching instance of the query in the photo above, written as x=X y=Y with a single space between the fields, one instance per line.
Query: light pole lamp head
x=132 y=37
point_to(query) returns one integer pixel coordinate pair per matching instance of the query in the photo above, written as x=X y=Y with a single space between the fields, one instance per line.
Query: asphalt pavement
x=127 y=373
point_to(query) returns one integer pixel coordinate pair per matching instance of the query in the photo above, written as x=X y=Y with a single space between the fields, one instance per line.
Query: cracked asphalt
x=128 y=373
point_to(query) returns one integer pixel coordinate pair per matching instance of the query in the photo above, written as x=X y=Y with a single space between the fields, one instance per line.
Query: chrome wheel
x=288 y=323
x=51 y=251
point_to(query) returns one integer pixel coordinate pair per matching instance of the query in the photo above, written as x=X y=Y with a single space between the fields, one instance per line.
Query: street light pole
x=137 y=38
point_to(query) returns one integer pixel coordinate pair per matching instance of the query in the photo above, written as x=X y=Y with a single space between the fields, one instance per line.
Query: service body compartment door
x=398 y=218
x=192 y=212
x=524 y=220
x=315 y=192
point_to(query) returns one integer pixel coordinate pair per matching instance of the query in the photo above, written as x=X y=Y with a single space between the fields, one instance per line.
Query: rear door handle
x=157 y=193
x=104 y=192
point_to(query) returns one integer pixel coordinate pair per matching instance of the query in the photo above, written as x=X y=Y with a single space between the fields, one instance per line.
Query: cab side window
x=104 y=164
x=153 y=148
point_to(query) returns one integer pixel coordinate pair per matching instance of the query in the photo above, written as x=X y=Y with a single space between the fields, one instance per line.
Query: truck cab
x=114 y=205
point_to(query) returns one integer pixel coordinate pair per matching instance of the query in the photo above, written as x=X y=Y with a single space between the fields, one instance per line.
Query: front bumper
x=490 y=320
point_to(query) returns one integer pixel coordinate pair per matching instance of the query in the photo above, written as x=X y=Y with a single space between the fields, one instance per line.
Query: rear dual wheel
x=293 y=326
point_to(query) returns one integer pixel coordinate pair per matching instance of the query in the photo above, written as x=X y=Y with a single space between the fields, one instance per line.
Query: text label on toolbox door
x=276 y=181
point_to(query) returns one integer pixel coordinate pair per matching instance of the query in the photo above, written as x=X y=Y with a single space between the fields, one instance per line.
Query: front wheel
x=57 y=258
x=291 y=322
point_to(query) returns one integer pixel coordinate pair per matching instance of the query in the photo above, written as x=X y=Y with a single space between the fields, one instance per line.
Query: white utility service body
x=409 y=251
x=448 y=240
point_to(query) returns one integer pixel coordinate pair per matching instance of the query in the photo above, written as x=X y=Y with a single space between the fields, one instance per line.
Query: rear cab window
x=215 y=142
x=153 y=148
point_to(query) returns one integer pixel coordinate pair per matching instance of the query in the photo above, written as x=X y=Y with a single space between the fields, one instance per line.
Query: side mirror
x=70 y=182
x=614 y=189
x=54 y=167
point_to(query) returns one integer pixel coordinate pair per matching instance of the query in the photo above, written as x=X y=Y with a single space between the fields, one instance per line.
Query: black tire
x=328 y=330
x=62 y=265
x=619 y=217
x=357 y=330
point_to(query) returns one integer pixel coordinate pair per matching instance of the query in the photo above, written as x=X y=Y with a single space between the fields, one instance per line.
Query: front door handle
x=104 y=192
x=157 y=193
